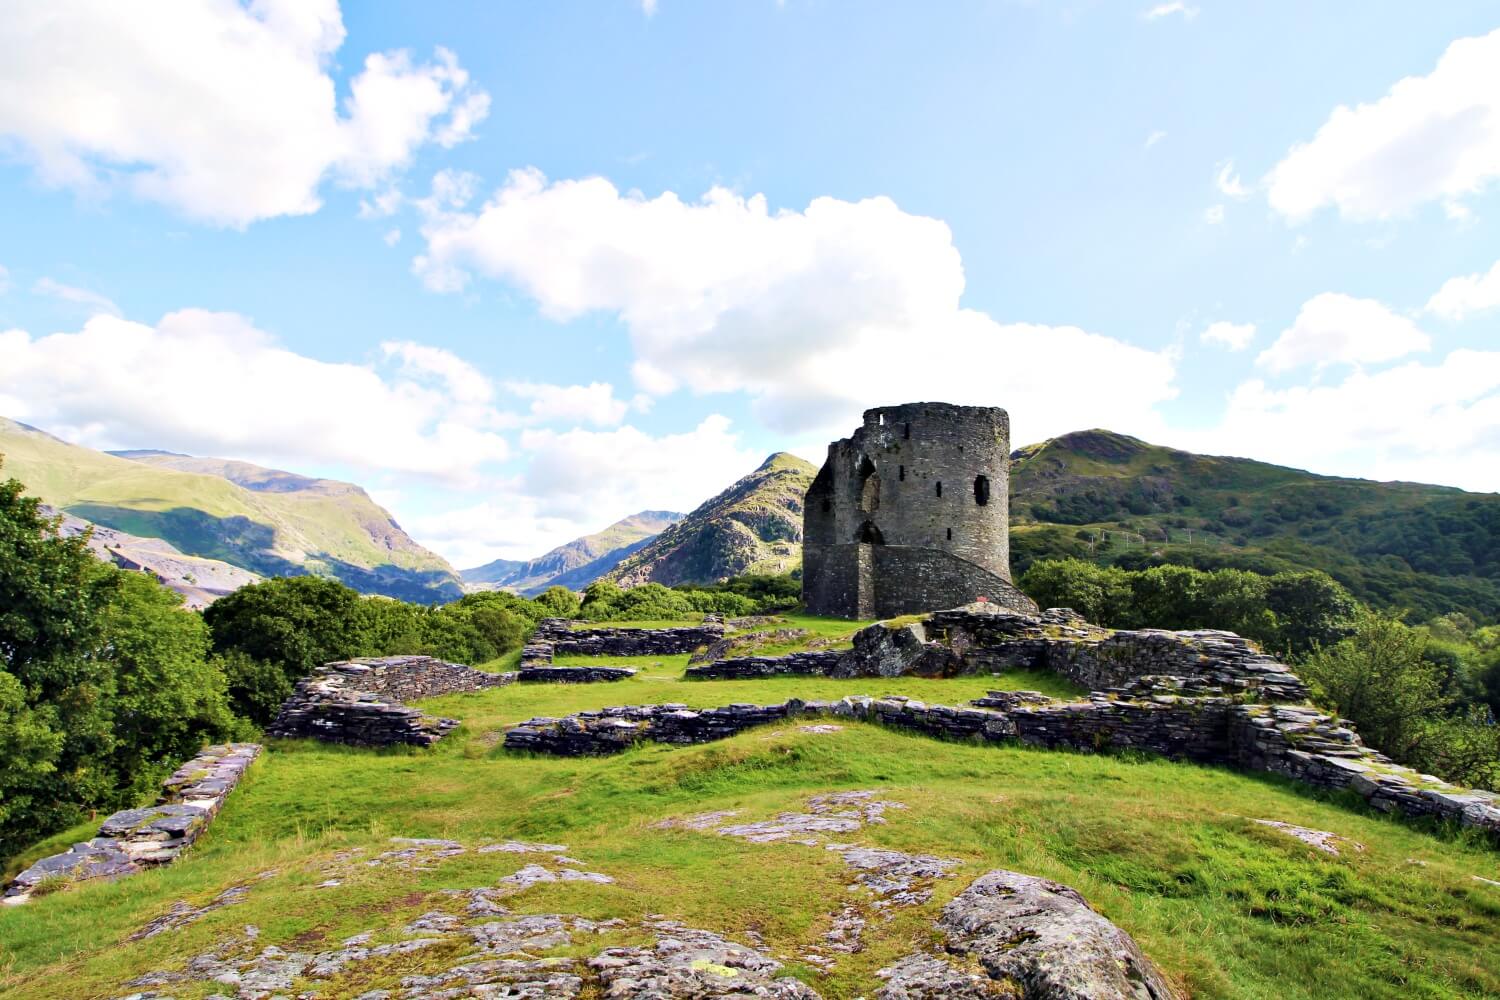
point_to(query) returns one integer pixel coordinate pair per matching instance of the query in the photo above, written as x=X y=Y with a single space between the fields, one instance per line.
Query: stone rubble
x=362 y=702
x=134 y=839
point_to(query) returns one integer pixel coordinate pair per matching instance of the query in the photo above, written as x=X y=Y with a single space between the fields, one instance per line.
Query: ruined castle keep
x=911 y=513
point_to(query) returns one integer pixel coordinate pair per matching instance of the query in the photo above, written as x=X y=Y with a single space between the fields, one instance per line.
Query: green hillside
x=578 y=563
x=296 y=525
x=755 y=526
x=1173 y=853
x=1115 y=499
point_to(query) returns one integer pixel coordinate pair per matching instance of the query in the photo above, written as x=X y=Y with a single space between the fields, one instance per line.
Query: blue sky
x=522 y=269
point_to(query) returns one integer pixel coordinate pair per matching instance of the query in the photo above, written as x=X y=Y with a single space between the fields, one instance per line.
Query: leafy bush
x=103 y=681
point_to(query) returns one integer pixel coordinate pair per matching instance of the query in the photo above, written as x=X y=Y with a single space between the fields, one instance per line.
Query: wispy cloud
x=1228 y=182
x=1154 y=138
x=1168 y=9
x=92 y=301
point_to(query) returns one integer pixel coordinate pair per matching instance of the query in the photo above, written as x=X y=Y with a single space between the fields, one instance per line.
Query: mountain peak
x=780 y=461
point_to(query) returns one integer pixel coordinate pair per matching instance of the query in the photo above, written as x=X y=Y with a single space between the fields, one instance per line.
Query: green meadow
x=1170 y=852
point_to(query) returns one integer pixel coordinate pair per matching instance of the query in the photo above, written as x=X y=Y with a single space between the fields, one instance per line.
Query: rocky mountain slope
x=575 y=564
x=261 y=520
x=755 y=526
x=1113 y=498
x=199 y=581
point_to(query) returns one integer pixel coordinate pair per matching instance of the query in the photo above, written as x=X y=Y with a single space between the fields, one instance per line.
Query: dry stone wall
x=559 y=637
x=574 y=675
x=135 y=839
x=361 y=702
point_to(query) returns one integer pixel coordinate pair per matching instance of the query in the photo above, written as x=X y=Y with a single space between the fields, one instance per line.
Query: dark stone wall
x=911 y=580
x=817 y=663
x=1296 y=741
x=911 y=477
x=564 y=640
x=573 y=675
x=360 y=702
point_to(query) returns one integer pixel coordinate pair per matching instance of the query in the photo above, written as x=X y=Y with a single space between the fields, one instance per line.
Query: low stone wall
x=360 y=702
x=565 y=640
x=985 y=638
x=1295 y=741
x=134 y=839
x=988 y=639
x=817 y=663
x=574 y=675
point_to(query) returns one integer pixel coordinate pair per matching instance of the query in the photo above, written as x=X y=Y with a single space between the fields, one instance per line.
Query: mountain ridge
x=303 y=525
x=573 y=564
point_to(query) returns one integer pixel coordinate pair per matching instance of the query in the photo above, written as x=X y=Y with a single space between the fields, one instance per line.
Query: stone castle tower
x=911 y=513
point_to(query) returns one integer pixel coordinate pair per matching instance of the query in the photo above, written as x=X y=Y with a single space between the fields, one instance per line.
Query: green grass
x=1168 y=851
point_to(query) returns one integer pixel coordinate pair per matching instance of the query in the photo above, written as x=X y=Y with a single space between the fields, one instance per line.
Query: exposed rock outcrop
x=1035 y=940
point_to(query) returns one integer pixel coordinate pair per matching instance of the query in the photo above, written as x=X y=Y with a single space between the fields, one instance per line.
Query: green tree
x=1311 y=610
x=1101 y=594
x=52 y=593
x=256 y=689
x=1379 y=679
x=559 y=602
x=298 y=622
x=166 y=700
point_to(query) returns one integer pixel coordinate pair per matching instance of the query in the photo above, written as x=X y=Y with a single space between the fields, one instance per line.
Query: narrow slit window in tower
x=982 y=490
x=940 y=487
x=901 y=473
x=950 y=534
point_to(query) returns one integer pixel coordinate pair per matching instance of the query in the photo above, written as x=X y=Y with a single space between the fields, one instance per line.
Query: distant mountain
x=755 y=526
x=199 y=581
x=1116 y=499
x=576 y=564
x=265 y=521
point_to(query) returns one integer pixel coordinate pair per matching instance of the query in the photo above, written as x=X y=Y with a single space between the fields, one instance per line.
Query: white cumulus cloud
x=1432 y=423
x=1235 y=336
x=816 y=314
x=579 y=481
x=226 y=112
x=1463 y=296
x=594 y=403
x=1431 y=138
x=210 y=383
x=1332 y=328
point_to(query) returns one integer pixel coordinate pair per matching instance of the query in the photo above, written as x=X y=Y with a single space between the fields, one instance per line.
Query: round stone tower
x=911 y=513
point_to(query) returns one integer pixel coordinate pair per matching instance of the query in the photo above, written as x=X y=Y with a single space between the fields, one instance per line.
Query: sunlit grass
x=1169 y=851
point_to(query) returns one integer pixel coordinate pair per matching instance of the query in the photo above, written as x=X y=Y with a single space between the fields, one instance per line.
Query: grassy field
x=1170 y=852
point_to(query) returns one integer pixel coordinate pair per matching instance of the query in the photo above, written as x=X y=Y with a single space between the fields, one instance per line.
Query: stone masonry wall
x=564 y=640
x=1294 y=741
x=361 y=702
x=135 y=839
